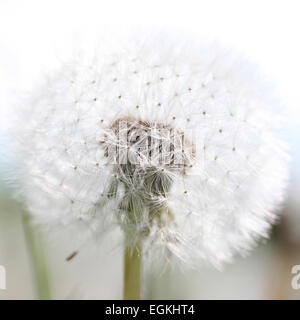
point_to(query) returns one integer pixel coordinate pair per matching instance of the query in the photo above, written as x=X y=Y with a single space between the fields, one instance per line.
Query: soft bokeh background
x=32 y=36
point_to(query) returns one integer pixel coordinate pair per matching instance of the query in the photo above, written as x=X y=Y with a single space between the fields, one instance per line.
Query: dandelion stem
x=132 y=272
x=35 y=244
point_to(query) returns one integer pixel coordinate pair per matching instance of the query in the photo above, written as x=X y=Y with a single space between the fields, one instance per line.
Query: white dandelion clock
x=175 y=146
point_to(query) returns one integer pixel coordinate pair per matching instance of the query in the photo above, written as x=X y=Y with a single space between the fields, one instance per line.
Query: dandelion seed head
x=176 y=147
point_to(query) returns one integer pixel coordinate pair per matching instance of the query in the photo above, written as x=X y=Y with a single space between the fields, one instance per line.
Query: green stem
x=36 y=247
x=132 y=272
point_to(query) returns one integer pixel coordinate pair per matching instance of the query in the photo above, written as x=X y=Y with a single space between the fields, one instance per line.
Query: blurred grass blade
x=35 y=243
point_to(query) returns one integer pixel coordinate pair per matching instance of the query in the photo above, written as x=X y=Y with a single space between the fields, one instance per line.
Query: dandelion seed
x=71 y=256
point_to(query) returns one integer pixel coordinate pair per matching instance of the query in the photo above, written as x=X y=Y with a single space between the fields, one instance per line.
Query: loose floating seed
x=72 y=255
